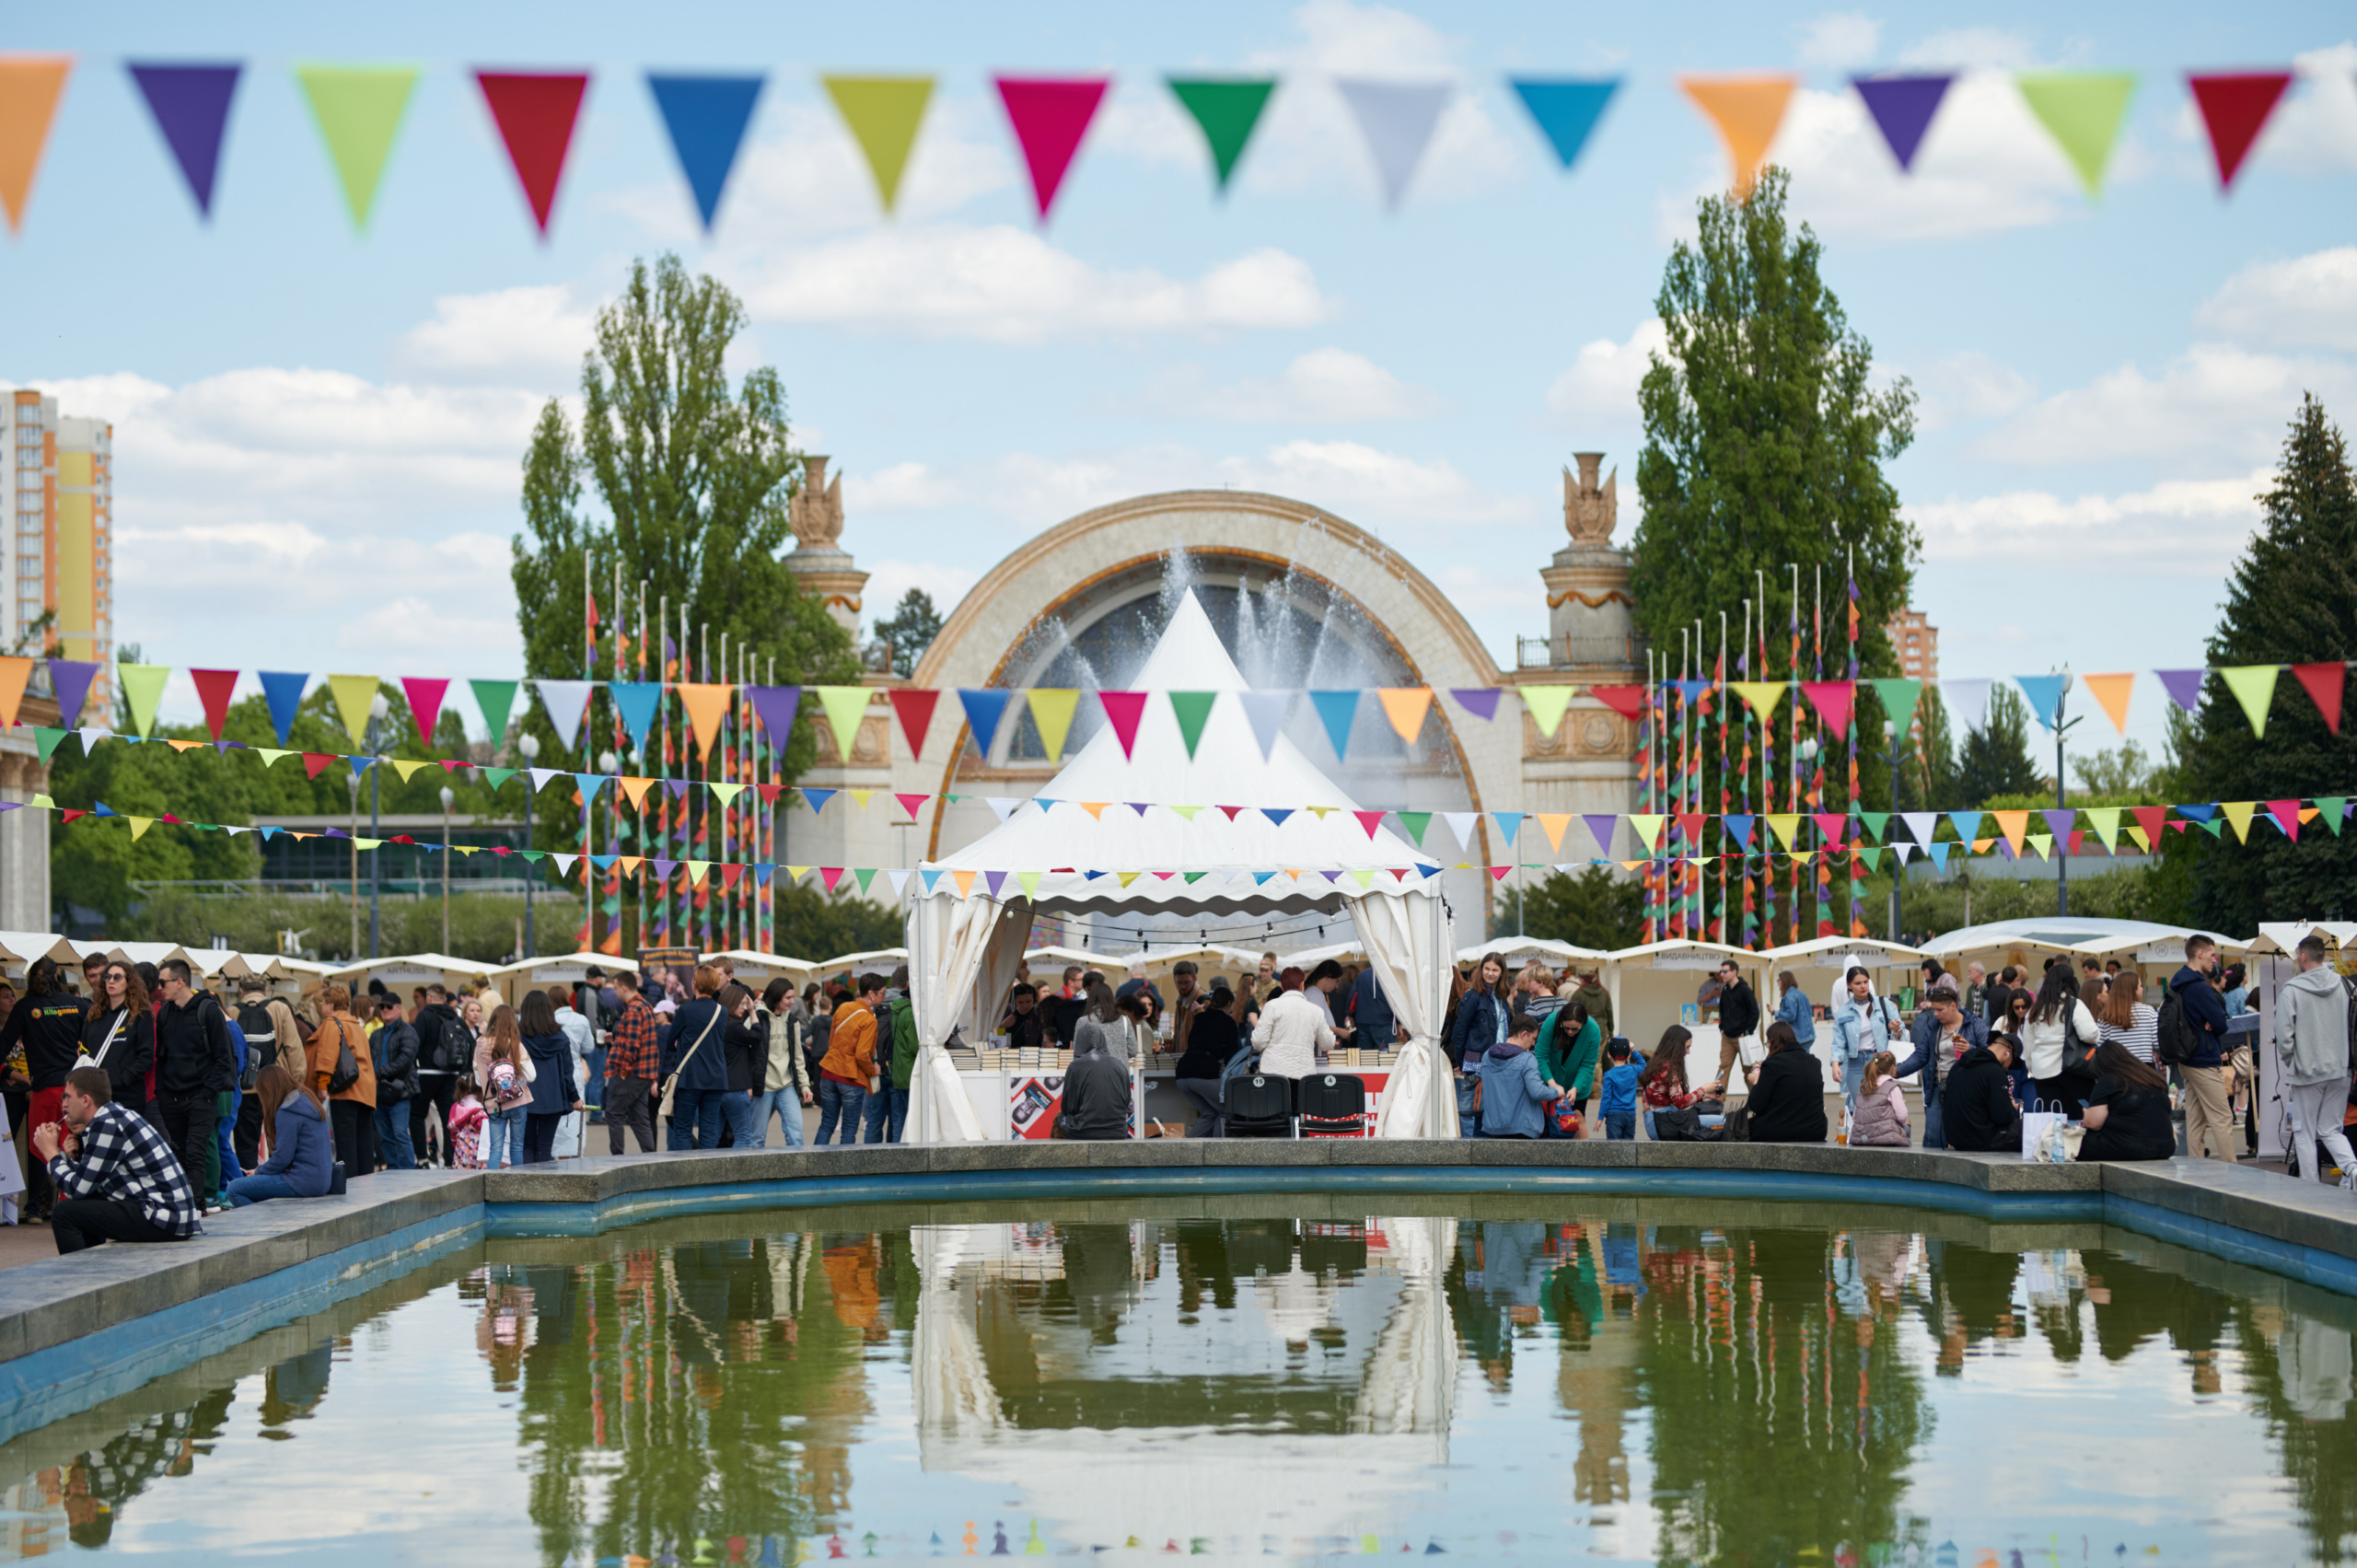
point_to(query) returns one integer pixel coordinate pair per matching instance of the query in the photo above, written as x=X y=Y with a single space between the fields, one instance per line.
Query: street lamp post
x=529 y=746
x=1898 y=863
x=2062 y=855
x=377 y=711
x=352 y=783
x=449 y=798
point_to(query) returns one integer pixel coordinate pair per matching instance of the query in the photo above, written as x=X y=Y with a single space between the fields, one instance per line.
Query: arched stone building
x=1304 y=600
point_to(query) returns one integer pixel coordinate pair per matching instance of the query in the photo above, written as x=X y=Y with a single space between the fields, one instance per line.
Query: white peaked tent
x=970 y=920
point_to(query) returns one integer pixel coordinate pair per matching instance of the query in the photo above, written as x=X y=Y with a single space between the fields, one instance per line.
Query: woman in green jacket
x=1572 y=1064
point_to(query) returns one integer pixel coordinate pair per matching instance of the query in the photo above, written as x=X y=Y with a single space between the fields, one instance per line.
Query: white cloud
x=1967 y=387
x=2314 y=130
x=1601 y=385
x=2214 y=402
x=1965 y=48
x=1838 y=40
x=534 y=335
x=1005 y=284
x=1325 y=386
x=2308 y=302
x=888 y=580
x=2179 y=527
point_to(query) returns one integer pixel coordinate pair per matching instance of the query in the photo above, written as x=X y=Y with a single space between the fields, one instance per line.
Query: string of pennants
x=1840 y=840
x=359 y=110
x=1053 y=710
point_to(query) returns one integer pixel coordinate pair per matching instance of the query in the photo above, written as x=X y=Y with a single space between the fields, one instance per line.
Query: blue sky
x=318 y=436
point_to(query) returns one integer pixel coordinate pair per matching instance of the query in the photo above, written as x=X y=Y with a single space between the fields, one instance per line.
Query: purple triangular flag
x=1902 y=107
x=993 y=880
x=2057 y=822
x=70 y=680
x=1137 y=805
x=775 y=707
x=191 y=104
x=1601 y=828
x=2184 y=685
x=663 y=869
x=1481 y=701
x=678 y=788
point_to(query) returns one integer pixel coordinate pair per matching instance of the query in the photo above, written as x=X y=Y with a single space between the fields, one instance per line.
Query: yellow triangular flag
x=1320 y=811
x=1785 y=825
x=463 y=849
x=1052 y=710
x=353 y=694
x=1763 y=695
x=862 y=796
x=1547 y=705
x=2238 y=814
x=269 y=756
x=2044 y=844
x=1364 y=879
x=2142 y=842
x=139 y=825
x=2104 y=821
x=1555 y=822
x=1648 y=829
x=408 y=771
x=796 y=873
x=696 y=868
x=1405 y=706
x=845 y=705
x=1129 y=877
x=726 y=792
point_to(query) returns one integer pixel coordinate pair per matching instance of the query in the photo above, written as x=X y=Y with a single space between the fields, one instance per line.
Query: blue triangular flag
x=984 y=708
x=1277 y=815
x=590 y=784
x=283 y=690
x=706 y=117
x=1566 y=110
x=930 y=879
x=1740 y=826
x=1262 y=876
x=817 y=799
x=2195 y=813
x=2045 y=693
x=1335 y=710
x=1967 y=824
x=636 y=702
x=1511 y=821
x=1939 y=853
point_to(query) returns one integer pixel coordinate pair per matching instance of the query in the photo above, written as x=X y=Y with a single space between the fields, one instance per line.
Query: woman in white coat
x=1292 y=1031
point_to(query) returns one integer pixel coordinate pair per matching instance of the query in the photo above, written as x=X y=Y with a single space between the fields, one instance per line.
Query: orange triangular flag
x=1405 y=707
x=14 y=672
x=2112 y=691
x=636 y=789
x=1555 y=822
x=29 y=88
x=2012 y=824
x=1093 y=807
x=629 y=864
x=1746 y=111
x=965 y=880
x=707 y=705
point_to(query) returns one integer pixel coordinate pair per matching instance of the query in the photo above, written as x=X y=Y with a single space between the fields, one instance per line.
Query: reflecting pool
x=1486 y=1378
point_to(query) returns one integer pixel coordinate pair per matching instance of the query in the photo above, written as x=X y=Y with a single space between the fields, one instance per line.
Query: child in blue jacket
x=1618 y=1105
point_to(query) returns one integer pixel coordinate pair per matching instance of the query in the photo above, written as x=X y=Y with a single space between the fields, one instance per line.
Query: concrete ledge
x=78 y=1330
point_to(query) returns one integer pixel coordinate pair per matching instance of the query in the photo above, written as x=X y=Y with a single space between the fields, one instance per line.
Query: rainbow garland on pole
x=359 y=109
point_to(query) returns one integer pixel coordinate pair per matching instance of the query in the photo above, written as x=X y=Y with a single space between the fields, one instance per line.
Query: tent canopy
x=1517 y=951
x=2061 y=934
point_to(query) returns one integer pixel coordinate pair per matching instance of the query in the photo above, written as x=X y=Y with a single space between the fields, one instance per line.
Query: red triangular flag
x=1689 y=825
x=1831 y=699
x=770 y=792
x=69 y=814
x=1498 y=873
x=536 y=113
x=2287 y=817
x=1122 y=710
x=2324 y=683
x=915 y=710
x=1050 y=116
x=2150 y=818
x=425 y=703
x=729 y=874
x=1629 y=702
x=318 y=762
x=2078 y=841
x=593 y=615
x=1370 y=821
x=2235 y=106
x=1231 y=811
x=452 y=764
x=214 y=688
x=911 y=803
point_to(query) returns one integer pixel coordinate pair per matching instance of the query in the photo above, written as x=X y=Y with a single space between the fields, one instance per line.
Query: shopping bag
x=2042 y=1137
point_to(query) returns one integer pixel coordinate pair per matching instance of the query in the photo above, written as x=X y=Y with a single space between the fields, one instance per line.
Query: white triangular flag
x=1003 y=804
x=1461 y=824
x=1398 y=119
x=568 y=704
x=565 y=864
x=900 y=881
x=1921 y=824
x=91 y=736
x=1903 y=849
x=541 y=777
x=1968 y=705
x=1266 y=711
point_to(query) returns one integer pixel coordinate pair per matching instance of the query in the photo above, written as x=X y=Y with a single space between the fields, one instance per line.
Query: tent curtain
x=948 y=939
x=1406 y=940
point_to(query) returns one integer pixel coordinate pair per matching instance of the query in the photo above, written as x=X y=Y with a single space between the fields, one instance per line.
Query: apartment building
x=60 y=470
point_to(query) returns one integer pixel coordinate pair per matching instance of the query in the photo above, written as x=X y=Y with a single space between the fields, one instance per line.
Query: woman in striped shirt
x=2123 y=1016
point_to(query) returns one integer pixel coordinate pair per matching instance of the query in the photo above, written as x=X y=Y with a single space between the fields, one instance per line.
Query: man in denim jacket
x=1944 y=1018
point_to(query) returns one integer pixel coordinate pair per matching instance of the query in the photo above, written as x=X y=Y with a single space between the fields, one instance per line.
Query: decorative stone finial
x=816 y=512
x=1590 y=510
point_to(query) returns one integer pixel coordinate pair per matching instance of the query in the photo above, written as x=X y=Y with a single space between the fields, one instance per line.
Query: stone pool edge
x=75 y=1331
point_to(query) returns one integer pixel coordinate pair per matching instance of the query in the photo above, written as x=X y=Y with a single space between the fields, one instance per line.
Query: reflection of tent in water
x=1327 y=1424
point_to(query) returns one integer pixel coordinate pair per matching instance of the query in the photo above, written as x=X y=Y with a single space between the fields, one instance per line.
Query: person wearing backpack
x=341 y=1069
x=2193 y=1039
x=442 y=1060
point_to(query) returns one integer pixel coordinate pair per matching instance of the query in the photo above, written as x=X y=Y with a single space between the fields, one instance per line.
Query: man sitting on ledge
x=1981 y=1115
x=117 y=1180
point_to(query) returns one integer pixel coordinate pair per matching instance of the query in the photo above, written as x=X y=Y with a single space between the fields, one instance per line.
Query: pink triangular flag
x=1831 y=699
x=2287 y=817
x=909 y=803
x=1370 y=821
x=425 y=703
x=1122 y=710
x=1050 y=116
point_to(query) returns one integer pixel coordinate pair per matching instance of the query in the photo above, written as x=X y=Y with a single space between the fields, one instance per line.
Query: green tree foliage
x=2292 y=599
x=1595 y=908
x=1927 y=780
x=1994 y=759
x=1765 y=437
x=690 y=479
x=820 y=926
x=2120 y=771
x=911 y=629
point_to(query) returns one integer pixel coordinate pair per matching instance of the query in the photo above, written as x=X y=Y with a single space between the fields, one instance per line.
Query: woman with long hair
x=1481 y=1023
x=1880 y=1119
x=1787 y=1098
x=120 y=1033
x=2060 y=1030
x=1101 y=1026
x=1662 y=1084
x=302 y=1153
x=506 y=1089
x=2128 y=1111
x=2126 y=1017
x=555 y=1094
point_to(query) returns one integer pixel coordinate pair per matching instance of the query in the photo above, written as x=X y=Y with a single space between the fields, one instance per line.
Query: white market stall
x=405 y=972
x=1054 y=960
x=1515 y=951
x=1820 y=967
x=1657 y=984
x=2157 y=950
x=1175 y=854
x=756 y=970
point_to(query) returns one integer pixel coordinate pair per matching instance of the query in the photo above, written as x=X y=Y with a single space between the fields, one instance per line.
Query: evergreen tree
x=908 y=631
x=2292 y=599
x=1595 y=909
x=1994 y=759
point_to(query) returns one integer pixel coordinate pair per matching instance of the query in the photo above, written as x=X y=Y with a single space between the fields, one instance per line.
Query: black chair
x=1333 y=1105
x=1260 y=1107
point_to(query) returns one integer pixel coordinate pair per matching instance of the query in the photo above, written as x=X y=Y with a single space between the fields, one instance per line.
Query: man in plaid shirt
x=117 y=1178
x=631 y=1063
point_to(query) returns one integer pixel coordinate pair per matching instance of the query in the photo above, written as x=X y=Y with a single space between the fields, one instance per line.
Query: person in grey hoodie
x=2311 y=1012
x=1096 y=1093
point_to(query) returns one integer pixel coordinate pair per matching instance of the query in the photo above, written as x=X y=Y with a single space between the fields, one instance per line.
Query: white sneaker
x=2349 y=1182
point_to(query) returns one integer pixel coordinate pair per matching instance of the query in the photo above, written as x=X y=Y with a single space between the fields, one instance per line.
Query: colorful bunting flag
x=706 y=117
x=2324 y=683
x=1481 y=701
x=706 y=704
x=1546 y=704
x=1747 y=112
x=1123 y=711
x=30 y=86
x=425 y=698
x=1899 y=698
x=914 y=708
x=984 y=707
x=535 y=112
x=358 y=109
x=70 y=680
x=883 y=114
x=1405 y=706
x=775 y=707
x=1335 y=710
x=1566 y=110
x=846 y=707
x=2254 y=687
x=2045 y=694
x=2083 y=111
x=16 y=673
x=1968 y=700
x=495 y=699
x=1226 y=110
x=1397 y=121
x=1192 y=709
x=1902 y=107
x=2235 y=106
x=2112 y=693
x=2183 y=687
x=142 y=685
x=1831 y=699
x=1050 y=116
x=635 y=703
x=1762 y=695
x=190 y=106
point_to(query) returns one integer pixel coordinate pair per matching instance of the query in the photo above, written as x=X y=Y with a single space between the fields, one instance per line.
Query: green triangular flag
x=359 y=110
x=142 y=685
x=1197 y=876
x=1364 y=879
x=1192 y=708
x=865 y=873
x=1867 y=858
x=48 y=740
x=1898 y=700
x=2333 y=807
x=882 y=113
x=494 y=697
x=534 y=855
x=1030 y=880
x=1876 y=823
x=1415 y=822
x=2215 y=827
x=2083 y=111
x=498 y=776
x=1227 y=109
x=2254 y=687
x=1186 y=811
